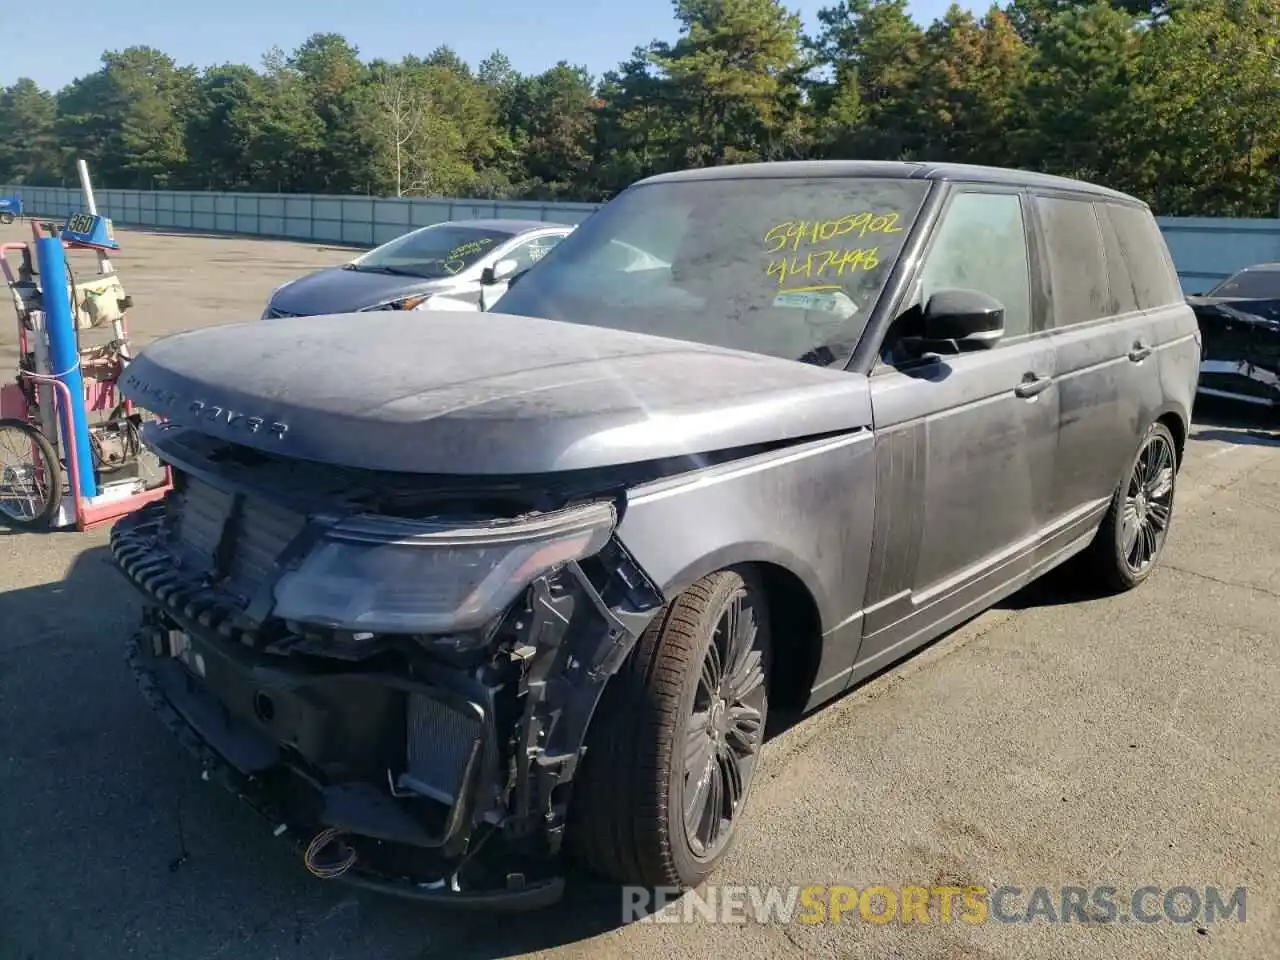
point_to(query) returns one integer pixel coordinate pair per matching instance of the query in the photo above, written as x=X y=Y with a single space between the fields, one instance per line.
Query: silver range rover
x=451 y=601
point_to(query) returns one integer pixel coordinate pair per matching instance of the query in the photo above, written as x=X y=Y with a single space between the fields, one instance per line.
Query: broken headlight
x=388 y=575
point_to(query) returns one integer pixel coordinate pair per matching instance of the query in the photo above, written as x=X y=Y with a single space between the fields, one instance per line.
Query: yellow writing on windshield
x=455 y=261
x=466 y=249
x=818 y=264
x=793 y=233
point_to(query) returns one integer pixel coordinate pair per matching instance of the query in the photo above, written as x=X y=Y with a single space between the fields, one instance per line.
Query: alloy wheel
x=1148 y=504
x=726 y=729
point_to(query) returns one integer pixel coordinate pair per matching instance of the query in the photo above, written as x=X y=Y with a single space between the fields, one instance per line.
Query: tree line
x=1176 y=101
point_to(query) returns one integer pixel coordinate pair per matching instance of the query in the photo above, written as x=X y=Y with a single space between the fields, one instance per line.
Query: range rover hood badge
x=234 y=418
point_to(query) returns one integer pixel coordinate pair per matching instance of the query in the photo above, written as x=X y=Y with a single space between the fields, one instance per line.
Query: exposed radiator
x=441 y=739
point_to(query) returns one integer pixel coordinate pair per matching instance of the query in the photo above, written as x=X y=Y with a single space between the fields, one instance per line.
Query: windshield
x=434 y=252
x=1254 y=284
x=784 y=267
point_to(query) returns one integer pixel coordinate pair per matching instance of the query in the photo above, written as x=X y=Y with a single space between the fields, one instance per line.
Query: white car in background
x=458 y=263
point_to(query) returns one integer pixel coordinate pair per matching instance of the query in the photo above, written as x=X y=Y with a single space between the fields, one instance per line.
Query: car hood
x=482 y=393
x=337 y=290
x=1261 y=311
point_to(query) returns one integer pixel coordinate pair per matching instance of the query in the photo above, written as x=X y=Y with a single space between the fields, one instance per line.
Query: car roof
x=893 y=169
x=1268 y=266
x=508 y=225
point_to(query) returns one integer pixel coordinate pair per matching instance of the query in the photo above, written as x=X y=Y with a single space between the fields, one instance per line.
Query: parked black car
x=1240 y=323
x=448 y=599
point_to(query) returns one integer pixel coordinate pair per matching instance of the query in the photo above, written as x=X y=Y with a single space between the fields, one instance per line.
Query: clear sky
x=55 y=44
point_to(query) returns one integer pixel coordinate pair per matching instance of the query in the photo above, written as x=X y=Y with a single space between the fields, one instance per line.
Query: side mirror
x=957 y=321
x=499 y=271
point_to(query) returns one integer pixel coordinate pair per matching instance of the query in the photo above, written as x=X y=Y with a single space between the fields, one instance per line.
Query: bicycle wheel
x=30 y=475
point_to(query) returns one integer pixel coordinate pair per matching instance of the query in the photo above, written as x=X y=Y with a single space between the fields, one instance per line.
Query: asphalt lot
x=1060 y=740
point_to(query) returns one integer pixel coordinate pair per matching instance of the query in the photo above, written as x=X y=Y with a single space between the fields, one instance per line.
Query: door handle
x=1139 y=352
x=1031 y=385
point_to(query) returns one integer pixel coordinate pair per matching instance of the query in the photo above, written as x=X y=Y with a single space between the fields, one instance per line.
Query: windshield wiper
x=389 y=271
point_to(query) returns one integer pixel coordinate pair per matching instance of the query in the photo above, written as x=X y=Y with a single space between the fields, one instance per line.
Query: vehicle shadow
x=113 y=846
x=1246 y=437
x=1222 y=420
x=1213 y=420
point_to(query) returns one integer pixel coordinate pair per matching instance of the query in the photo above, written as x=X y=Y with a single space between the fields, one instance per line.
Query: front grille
x=441 y=740
x=275 y=313
x=238 y=539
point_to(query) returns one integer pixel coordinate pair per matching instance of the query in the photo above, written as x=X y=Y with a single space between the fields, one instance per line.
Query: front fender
x=807 y=508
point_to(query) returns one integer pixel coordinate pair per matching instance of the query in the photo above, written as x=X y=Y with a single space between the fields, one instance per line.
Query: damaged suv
x=449 y=600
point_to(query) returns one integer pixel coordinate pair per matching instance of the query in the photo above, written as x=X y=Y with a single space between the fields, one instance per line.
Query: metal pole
x=91 y=205
x=104 y=262
x=64 y=357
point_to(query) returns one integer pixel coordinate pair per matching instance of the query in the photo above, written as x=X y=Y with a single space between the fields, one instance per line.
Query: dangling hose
x=328 y=871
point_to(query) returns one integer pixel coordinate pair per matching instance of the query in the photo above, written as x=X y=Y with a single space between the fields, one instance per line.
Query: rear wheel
x=30 y=475
x=1133 y=533
x=672 y=751
x=6 y=218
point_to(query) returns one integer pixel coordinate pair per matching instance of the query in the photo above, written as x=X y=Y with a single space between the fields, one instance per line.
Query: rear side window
x=1124 y=299
x=1077 y=265
x=1154 y=278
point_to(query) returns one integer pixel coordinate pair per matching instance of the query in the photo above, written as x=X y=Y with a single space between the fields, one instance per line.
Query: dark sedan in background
x=1240 y=323
x=456 y=262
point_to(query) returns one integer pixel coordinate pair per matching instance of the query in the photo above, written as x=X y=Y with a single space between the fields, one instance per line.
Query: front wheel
x=30 y=476
x=1133 y=533
x=6 y=218
x=673 y=748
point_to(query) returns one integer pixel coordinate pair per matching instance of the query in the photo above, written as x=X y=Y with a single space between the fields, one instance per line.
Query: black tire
x=1109 y=557
x=627 y=820
x=46 y=452
x=6 y=218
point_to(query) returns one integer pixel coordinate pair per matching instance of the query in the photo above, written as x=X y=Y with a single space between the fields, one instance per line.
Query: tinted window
x=787 y=267
x=435 y=252
x=1154 y=278
x=981 y=244
x=1124 y=298
x=1077 y=269
x=1260 y=284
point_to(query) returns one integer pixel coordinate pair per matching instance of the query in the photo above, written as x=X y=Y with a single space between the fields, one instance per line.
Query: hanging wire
x=328 y=871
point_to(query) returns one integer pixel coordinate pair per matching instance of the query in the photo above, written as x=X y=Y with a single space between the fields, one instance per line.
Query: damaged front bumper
x=440 y=778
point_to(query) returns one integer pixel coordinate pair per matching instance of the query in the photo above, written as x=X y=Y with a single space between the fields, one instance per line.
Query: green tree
x=470 y=106
x=334 y=78
x=552 y=117
x=637 y=129
x=220 y=142
x=1172 y=100
x=1080 y=96
x=734 y=75
x=872 y=52
x=420 y=149
x=279 y=127
x=1207 y=106
x=495 y=71
x=969 y=95
x=28 y=145
x=129 y=118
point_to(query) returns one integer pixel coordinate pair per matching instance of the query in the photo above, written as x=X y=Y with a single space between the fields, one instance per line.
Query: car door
x=965 y=445
x=1108 y=377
